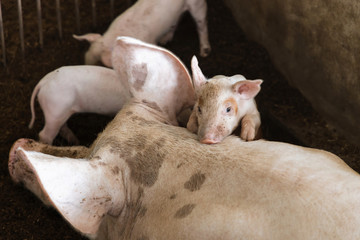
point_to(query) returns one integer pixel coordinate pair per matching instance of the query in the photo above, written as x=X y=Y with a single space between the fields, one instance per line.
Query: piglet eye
x=228 y=109
x=199 y=109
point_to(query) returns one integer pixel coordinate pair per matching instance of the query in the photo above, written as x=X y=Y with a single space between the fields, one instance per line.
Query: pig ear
x=78 y=188
x=198 y=77
x=90 y=37
x=154 y=75
x=247 y=88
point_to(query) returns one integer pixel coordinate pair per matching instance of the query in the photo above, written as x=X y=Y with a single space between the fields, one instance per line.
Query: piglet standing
x=76 y=89
x=223 y=102
x=152 y=21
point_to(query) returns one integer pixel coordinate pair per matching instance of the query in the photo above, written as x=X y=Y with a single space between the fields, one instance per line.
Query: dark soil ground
x=287 y=116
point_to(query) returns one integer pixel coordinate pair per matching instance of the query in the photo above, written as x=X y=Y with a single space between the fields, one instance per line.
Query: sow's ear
x=247 y=88
x=154 y=74
x=81 y=190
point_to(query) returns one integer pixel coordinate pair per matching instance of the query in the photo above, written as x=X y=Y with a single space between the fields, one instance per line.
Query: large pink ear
x=80 y=189
x=90 y=37
x=153 y=75
x=198 y=77
x=247 y=88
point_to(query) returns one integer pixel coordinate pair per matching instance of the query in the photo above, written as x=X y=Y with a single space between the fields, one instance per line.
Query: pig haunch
x=222 y=103
x=144 y=178
x=152 y=21
x=76 y=89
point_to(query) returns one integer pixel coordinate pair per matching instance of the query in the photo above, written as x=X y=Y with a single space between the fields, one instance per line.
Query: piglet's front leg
x=250 y=124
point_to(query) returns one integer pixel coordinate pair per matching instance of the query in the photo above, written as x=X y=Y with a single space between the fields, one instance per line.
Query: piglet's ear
x=79 y=189
x=247 y=88
x=153 y=74
x=198 y=77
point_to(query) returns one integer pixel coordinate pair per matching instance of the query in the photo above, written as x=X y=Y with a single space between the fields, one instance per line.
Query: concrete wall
x=316 y=45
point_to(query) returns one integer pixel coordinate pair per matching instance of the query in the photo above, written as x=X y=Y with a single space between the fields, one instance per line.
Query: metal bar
x=112 y=9
x=77 y=14
x=93 y=6
x=38 y=7
x=58 y=17
x=2 y=37
x=21 y=29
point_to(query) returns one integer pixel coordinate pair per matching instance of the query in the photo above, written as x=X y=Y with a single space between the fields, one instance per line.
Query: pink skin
x=144 y=178
x=75 y=89
x=224 y=103
x=157 y=24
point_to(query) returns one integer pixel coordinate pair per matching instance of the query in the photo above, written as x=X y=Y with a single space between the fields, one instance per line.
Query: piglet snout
x=210 y=139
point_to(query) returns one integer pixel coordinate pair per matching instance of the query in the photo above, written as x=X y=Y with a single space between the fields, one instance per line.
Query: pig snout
x=209 y=139
x=212 y=135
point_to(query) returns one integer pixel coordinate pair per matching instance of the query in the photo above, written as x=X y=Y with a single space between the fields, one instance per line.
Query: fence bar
x=58 y=17
x=111 y=9
x=38 y=7
x=93 y=6
x=77 y=14
x=2 y=37
x=21 y=29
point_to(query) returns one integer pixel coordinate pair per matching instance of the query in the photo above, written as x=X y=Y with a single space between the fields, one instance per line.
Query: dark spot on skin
x=143 y=238
x=184 y=211
x=142 y=121
x=195 y=182
x=220 y=131
x=146 y=161
x=201 y=101
x=128 y=113
x=179 y=165
x=140 y=192
x=139 y=72
x=173 y=196
x=115 y=170
x=152 y=105
x=142 y=211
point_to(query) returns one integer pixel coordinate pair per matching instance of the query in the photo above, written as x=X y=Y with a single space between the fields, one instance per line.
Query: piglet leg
x=167 y=37
x=198 y=9
x=250 y=127
x=67 y=134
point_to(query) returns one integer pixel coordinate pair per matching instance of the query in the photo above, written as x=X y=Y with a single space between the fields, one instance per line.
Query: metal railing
x=40 y=23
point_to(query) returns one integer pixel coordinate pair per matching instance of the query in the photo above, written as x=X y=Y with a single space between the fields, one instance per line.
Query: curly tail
x=32 y=100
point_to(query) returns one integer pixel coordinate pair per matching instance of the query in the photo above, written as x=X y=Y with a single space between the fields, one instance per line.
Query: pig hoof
x=205 y=52
x=248 y=134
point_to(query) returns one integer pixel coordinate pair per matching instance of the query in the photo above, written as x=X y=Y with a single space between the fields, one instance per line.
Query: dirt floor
x=287 y=116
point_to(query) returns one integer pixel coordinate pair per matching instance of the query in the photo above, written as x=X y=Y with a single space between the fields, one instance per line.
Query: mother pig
x=144 y=178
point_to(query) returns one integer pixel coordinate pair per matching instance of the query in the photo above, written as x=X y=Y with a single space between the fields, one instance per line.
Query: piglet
x=152 y=21
x=75 y=89
x=223 y=102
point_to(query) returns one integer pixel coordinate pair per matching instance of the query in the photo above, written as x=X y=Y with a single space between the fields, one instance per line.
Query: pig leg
x=67 y=134
x=192 y=124
x=21 y=172
x=167 y=37
x=53 y=124
x=250 y=126
x=198 y=9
